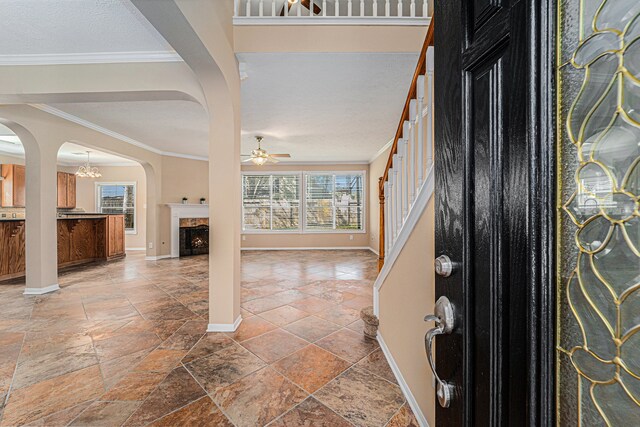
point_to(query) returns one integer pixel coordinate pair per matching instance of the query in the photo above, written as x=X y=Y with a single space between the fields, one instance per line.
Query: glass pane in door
x=598 y=339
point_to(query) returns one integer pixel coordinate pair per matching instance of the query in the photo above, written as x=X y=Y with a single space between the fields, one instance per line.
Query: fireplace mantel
x=180 y=210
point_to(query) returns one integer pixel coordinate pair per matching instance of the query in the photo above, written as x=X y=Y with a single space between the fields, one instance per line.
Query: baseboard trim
x=135 y=249
x=224 y=327
x=156 y=258
x=411 y=400
x=311 y=248
x=374 y=251
x=41 y=291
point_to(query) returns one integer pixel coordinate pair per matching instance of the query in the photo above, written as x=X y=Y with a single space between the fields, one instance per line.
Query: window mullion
x=333 y=200
x=271 y=202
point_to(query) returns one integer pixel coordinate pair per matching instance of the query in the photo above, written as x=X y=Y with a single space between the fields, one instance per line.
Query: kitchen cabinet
x=13 y=186
x=66 y=190
x=115 y=236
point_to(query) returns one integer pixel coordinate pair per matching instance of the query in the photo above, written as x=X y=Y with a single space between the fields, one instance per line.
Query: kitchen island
x=82 y=238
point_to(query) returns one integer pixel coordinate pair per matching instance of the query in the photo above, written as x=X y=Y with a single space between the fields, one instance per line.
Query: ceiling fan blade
x=245 y=155
x=280 y=155
x=272 y=160
x=307 y=3
x=247 y=160
x=6 y=141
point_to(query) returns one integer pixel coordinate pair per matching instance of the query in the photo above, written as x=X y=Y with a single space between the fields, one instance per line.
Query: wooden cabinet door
x=115 y=235
x=71 y=190
x=62 y=190
x=6 y=185
x=19 y=186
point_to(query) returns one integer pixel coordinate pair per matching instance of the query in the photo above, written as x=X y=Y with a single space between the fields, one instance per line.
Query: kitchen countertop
x=67 y=216
x=11 y=219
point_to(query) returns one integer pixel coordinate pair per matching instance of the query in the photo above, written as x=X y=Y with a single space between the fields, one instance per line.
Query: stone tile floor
x=124 y=343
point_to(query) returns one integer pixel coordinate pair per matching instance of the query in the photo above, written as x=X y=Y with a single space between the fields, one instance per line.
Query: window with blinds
x=271 y=202
x=303 y=202
x=334 y=201
x=118 y=198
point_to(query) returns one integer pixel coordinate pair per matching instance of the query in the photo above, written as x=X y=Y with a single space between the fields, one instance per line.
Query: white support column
x=41 y=221
x=420 y=133
x=412 y=151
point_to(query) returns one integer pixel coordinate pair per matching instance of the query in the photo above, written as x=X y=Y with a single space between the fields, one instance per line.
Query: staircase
x=407 y=183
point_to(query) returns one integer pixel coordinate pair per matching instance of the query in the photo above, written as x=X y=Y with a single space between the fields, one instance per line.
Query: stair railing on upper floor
x=410 y=163
x=353 y=12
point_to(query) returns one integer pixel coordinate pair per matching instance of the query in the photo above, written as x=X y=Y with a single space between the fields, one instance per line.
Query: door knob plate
x=444 y=318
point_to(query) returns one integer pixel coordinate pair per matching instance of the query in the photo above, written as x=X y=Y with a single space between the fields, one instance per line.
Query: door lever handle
x=444 y=319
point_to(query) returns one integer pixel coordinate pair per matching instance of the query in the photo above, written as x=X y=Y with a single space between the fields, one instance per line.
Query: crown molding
x=90 y=58
x=116 y=135
x=384 y=148
x=319 y=163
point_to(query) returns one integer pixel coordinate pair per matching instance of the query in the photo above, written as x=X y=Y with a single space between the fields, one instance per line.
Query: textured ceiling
x=69 y=154
x=326 y=106
x=50 y=27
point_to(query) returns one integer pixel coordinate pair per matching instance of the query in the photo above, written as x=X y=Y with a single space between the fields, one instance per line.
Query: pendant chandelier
x=86 y=171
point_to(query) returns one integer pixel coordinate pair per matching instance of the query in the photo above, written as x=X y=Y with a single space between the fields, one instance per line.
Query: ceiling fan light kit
x=260 y=157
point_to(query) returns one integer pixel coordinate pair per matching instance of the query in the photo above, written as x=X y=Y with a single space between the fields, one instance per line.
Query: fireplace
x=194 y=236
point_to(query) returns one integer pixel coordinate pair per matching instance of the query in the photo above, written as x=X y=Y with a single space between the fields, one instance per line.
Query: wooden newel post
x=381 y=233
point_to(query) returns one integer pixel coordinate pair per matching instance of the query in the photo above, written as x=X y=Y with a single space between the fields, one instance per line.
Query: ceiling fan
x=305 y=3
x=259 y=156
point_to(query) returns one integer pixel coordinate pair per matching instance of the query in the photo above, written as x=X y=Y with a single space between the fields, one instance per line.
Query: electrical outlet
x=244 y=238
x=350 y=236
x=150 y=245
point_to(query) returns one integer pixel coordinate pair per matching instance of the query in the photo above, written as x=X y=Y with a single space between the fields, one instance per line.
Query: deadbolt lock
x=444 y=266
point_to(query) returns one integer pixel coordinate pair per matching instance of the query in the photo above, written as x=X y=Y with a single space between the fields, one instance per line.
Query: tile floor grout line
x=209 y=396
x=13 y=377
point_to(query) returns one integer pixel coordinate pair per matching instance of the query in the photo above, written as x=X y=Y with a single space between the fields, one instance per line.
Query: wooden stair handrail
x=421 y=69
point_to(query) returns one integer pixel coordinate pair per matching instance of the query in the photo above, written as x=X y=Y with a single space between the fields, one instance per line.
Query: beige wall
x=309 y=240
x=410 y=286
x=376 y=169
x=86 y=196
x=180 y=178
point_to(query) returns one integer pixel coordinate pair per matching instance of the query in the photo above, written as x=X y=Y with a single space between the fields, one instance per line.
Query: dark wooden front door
x=494 y=210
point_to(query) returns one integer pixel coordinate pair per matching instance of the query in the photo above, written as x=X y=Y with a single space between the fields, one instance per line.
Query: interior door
x=492 y=207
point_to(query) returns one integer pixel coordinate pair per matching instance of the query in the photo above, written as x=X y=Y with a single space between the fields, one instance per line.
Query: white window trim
x=97 y=184
x=302 y=211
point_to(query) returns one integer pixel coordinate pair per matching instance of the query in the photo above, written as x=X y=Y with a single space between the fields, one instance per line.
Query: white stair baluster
x=386 y=216
x=375 y=8
x=236 y=7
x=361 y=7
x=273 y=7
x=311 y=4
x=337 y=6
x=412 y=151
x=399 y=190
x=324 y=7
x=387 y=9
x=261 y=8
x=425 y=8
x=349 y=8
x=429 y=102
x=399 y=8
x=405 y=168
x=392 y=208
x=413 y=8
x=247 y=11
x=285 y=5
x=299 y=9
x=420 y=133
